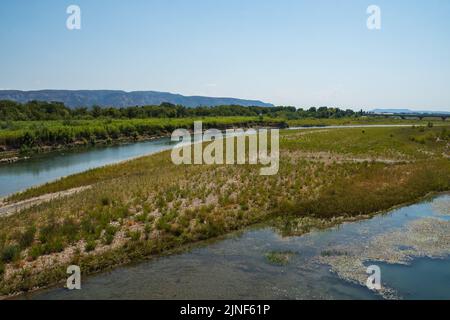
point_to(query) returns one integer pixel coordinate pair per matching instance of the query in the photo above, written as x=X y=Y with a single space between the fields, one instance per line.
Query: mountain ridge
x=120 y=98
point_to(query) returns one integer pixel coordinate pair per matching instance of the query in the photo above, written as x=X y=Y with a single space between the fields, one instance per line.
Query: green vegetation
x=43 y=126
x=279 y=258
x=363 y=120
x=333 y=253
x=29 y=136
x=10 y=253
x=39 y=111
x=149 y=206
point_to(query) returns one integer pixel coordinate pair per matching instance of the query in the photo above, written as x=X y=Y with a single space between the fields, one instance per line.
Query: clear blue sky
x=303 y=53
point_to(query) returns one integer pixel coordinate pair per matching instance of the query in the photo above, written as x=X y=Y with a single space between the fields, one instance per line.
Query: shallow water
x=237 y=267
x=423 y=279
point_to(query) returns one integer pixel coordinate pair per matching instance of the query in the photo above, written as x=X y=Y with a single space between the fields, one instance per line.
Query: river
x=327 y=264
x=237 y=267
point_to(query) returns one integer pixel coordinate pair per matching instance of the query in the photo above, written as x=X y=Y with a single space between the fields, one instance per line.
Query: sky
x=300 y=52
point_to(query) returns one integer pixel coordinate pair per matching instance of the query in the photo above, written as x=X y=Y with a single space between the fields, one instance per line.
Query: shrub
x=35 y=251
x=105 y=201
x=134 y=235
x=54 y=245
x=108 y=239
x=27 y=238
x=10 y=253
x=120 y=213
x=69 y=229
x=87 y=226
x=244 y=207
x=445 y=134
x=162 y=224
x=147 y=230
x=47 y=232
x=90 y=245
x=110 y=232
x=142 y=217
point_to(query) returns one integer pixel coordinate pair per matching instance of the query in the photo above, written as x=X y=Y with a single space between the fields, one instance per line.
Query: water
x=237 y=268
x=22 y=175
x=42 y=169
x=424 y=279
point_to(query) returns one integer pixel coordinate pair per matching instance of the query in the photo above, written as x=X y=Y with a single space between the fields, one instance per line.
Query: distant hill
x=406 y=111
x=116 y=98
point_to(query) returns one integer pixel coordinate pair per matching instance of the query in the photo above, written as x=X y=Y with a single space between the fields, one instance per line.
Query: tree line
x=40 y=110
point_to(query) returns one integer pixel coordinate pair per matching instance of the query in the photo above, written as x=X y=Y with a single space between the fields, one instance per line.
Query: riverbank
x=28 y=138
x=16 y=155
x=25 y=139
x=149 y=206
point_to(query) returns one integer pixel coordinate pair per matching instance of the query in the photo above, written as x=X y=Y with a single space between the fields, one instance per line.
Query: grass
x=396 y=143
x=149 y=206
x=373 y=120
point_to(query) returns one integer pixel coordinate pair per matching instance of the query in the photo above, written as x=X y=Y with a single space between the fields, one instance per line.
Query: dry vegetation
x=149 y=206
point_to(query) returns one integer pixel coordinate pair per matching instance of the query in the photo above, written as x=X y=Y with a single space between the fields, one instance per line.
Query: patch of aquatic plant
x=428 y=237
x=291 y=225
x=279 y=257
x=333 y=253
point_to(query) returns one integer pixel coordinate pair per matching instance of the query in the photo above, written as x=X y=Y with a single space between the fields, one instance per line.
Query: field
x=364 y=120
x=148 y=206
